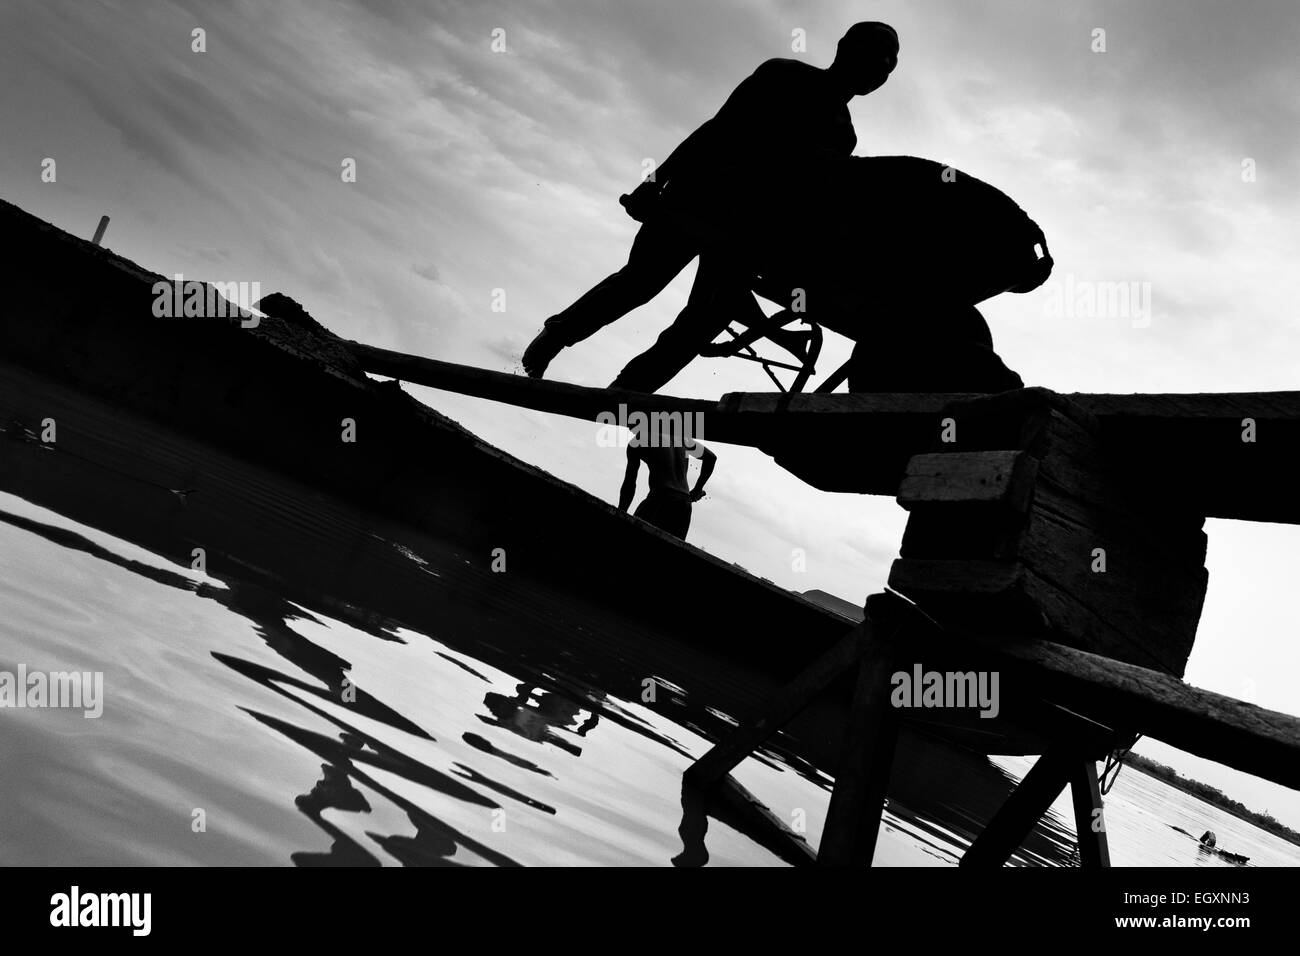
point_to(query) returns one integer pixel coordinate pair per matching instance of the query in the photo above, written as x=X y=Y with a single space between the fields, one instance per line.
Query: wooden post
x=858 y=800
x=794 y=697
x=853 y=819
x=1089 y=824
x=99 y=230
x=1024 y=808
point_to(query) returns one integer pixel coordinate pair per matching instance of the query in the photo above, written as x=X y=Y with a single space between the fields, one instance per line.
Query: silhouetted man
x=785 y=110
x=667 y=505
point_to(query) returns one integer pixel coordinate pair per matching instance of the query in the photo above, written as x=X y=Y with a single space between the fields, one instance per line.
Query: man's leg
x=658 y=253
x=720 y=293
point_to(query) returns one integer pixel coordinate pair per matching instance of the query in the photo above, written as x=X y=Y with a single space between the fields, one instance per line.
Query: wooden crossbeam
x=1022 y=811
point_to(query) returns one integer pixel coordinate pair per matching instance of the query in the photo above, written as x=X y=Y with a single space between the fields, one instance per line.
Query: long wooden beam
x=561 y=398
x=1257 y=741
x=1225 y=455
x=1248 y=738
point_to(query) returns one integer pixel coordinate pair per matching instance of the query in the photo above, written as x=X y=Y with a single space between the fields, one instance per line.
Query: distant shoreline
x=1213 y=796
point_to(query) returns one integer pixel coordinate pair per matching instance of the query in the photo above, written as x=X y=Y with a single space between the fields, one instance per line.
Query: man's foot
x=540 y=351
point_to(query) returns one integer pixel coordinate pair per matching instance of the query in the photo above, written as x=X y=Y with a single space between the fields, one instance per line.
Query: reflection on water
x=495 y=759
x=338 y=691
x=537 y=715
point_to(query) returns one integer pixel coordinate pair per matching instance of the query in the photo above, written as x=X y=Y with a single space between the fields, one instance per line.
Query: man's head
x=866 y=55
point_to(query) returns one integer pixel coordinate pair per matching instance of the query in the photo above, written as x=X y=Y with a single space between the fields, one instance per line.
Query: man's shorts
x=667 y=510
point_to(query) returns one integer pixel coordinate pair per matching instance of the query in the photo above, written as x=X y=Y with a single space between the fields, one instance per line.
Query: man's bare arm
x=707 y=462
x=640 y=203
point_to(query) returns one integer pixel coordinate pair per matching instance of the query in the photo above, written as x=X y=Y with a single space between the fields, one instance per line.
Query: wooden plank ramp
x=1223 y=455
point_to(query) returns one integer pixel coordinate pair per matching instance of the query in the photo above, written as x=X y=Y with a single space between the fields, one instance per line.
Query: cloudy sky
x=1169 y=159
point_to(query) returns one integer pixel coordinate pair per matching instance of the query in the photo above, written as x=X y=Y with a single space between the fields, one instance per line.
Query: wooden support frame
x=858 y=797
x=724 y=756
x=871 y=734
x=1088 y=705
x=1028 y=803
